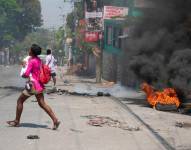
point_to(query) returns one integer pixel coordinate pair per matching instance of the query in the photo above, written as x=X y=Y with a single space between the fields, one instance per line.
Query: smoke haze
x=159 y=49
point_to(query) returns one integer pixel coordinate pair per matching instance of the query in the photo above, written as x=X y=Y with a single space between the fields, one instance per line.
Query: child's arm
x=28 y=70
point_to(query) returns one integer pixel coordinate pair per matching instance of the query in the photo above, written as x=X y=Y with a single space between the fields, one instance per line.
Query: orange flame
x=168 y=96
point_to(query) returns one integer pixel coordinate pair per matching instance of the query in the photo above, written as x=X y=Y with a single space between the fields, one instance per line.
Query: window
x=116 y=40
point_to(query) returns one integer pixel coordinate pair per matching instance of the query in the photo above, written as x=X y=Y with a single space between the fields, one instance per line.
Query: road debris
x=166 y=107
x=103 y=94
x=183 y=124
x=101 y=121
x=66 y=92
x=33 y=137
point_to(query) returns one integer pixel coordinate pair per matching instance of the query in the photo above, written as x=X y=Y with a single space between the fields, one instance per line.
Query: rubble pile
x=183 y=125
x=101 y=121
x=66 y=92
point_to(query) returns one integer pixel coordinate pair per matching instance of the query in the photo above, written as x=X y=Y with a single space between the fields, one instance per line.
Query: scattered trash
x=53 y=90
x=183 y=125
x=99 y=93
x=103 y=94
x=66 y=81
x=33 y=137
x=116 y=90
x=101 y=121
x=66 y=92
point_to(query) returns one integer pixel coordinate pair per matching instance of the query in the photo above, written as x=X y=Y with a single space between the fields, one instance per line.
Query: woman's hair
x=48 y=52
x=35 y=49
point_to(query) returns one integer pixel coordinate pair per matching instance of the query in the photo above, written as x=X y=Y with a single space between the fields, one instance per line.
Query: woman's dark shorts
x=53 y=74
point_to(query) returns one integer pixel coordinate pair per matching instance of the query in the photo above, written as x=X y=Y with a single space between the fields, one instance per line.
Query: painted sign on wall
x=91 y=36
x=112 y=11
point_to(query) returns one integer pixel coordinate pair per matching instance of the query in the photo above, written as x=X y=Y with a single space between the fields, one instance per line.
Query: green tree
x=41 y=37
x=29 y=18
x=60 y=35
x=17 y=18
x=9 y=10
x=76 y=14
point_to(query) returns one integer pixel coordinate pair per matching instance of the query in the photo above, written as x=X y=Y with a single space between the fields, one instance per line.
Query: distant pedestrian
x=51 y=61
x=33 y=87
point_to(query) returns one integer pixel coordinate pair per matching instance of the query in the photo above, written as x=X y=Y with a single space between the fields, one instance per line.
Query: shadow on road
x=31 y=125
x=14 y=88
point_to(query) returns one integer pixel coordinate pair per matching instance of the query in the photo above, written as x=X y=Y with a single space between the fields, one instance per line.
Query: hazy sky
x=52 y=11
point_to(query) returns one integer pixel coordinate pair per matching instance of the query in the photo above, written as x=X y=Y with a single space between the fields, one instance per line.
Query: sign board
x=91 y=36
x=112 y=11
x=94 y=15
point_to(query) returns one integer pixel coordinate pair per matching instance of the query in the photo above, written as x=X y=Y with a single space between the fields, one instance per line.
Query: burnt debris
x=66 y=92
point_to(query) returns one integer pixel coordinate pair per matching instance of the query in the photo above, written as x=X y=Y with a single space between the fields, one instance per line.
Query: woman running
x=36 y=89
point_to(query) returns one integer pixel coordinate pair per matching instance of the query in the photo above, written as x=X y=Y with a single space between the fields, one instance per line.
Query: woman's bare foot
x=13 y=123
x=56 y=125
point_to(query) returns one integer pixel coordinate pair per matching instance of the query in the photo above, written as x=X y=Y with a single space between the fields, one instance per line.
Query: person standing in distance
x=50 y=61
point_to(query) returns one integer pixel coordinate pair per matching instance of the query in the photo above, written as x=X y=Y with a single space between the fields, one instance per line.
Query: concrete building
x=116 y=32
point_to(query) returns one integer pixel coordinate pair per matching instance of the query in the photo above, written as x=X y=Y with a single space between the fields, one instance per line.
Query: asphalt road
x=157 y=129
x=9 y=76
x=10 y=81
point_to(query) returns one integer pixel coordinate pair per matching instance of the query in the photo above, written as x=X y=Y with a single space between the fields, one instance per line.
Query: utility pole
x=75 y=24
x=99 y=57
x=94 y=32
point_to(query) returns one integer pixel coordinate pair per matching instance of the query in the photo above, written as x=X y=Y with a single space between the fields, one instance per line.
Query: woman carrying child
x=33 y=70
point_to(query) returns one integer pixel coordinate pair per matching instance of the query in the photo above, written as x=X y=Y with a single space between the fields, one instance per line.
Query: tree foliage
x=29 y=17
x=76 y=14
x=60 y=35
x=9 y=9
x=41 y=37
x=17 y=18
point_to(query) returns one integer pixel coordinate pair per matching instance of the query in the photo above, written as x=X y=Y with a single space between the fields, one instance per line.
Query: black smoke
x=159 y=45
